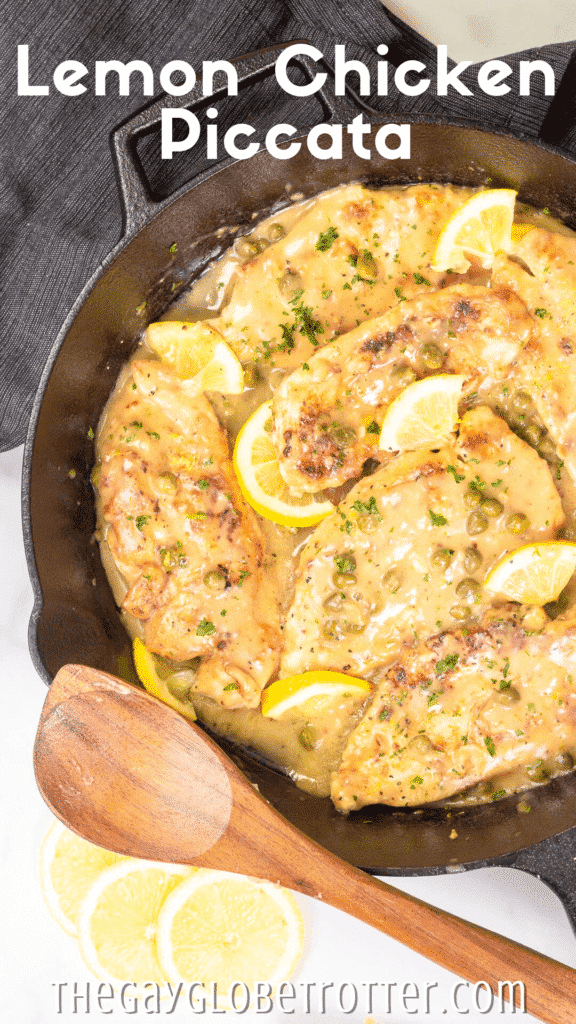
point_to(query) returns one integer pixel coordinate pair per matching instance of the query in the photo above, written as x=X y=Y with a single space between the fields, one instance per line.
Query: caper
x=491 y=507
x=172 y=556
x=472 y=560
x=367 y=523
x=262 y=243
x=547 y=448
x=472 y=499
x=269 y=425
x=564 y=760
x=535 y=619
x=538 y=771
x=180 y=689
x=441 y=558
x=246 y=249
x=215 y=580
x=354 y=627
x=533 y=434
x=432 y=356
x=334 y=601
x=289 y=284
x=392 y=580
x=252 y=375
x=469 y=590
x=421 y=744
x=331 y=629
x=341 y=435
x=343 y=579
x=517 y=523
x=366 y=265
x=460 y=612
x=276 y=231
x=308 y=737
x=508 y=696
x=95 y=476
x=167 y=482
x=476 y=523
x=345 y=562
x=521 y=401
x=404 y=375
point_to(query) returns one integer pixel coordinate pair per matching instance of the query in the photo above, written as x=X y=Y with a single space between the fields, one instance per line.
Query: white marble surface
x=35 y=955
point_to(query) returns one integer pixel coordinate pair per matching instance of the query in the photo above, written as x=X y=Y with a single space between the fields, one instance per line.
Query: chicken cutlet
x=328 y=413
x=462 y=707
x=405 y=553
x=545 y=280
x=187 y=546
x=350 y=256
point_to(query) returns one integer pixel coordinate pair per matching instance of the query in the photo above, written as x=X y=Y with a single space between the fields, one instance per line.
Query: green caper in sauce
x=521 y=401
x=491 y=507
x=343 y=579
x=404 y=375
x=476 y=523
x=252 y=376
x=564 y=760
x=346 y=562
x=472 y=499
x=460 y=612
x=334 y=601
x=392 y=580
x=215 y=580
x=517 y=523
x=308 y=737
x=432 y=356
x=276 y=231
x=469 y=590
x=538 y=771
x=547 y=448
x=95 y=476
x=331 y=629
x=246 y=249
x=289 y=284
x=367 y=523
x=421 y=744
x=167 y=483
x=343 y=436
x=472 y=560
x=533 y=434
x=366 y=265
x=262 y=243
x=441 y=558
x=508 y=696
x=354 y=627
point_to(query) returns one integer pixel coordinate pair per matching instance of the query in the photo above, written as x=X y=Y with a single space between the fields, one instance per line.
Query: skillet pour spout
x=75 y=619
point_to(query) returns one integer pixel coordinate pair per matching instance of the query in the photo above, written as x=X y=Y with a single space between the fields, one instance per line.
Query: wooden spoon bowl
x=127 y=772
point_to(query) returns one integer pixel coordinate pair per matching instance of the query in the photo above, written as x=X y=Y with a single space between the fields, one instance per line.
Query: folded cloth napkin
x=58 y=201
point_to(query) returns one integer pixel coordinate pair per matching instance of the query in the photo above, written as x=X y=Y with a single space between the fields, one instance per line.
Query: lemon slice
x=424 y=415
x=168 y=686
x=256 y=466
x=310 y=692
x=118 y=918
x=534 y=573
x=224 y=928
x=68 y=866
x=198 y=354
x=479 y=227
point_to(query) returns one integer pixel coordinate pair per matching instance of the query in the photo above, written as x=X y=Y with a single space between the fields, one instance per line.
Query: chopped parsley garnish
x=421 y=280
x=436 y=519
x=325 y=239
x=373 y=428
x=197 y=516
x=243 y=574
x=327 y=293
x=369 y=506
x=173 y=247
x=447 y=663
x=399 y=295
x=416 y=781
x=205 y=628
x=345 y=563
x=90 y=433
x=489 y=744
x=231 y=686
x=541 y=312
x=141 y=521
x=384 y=714
x=203 y=484
x=457 y=476
x=152 y=433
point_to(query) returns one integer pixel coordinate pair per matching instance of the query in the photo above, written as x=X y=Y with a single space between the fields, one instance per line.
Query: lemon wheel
x=311 y=692
x=199 y=355
x=480 y=227
x=258 y=473
x=534 y=573
x=424 y=415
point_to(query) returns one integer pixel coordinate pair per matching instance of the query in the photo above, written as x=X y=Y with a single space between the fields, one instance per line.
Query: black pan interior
x=75 y=619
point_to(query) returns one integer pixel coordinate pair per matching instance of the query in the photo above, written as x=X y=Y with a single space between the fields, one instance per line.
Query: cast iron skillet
x=74 y=617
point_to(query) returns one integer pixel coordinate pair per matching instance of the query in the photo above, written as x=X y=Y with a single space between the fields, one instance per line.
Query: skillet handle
x=558 y=127
x=553 y=861
x=138 y=204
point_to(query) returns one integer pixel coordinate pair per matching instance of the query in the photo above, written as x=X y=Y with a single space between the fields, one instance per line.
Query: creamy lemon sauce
x=309 y=746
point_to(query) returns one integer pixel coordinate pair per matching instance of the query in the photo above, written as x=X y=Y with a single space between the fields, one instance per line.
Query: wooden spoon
x=127 y=772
